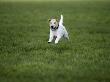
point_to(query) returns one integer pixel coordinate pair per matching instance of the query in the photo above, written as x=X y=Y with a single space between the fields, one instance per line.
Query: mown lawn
x=25 y=55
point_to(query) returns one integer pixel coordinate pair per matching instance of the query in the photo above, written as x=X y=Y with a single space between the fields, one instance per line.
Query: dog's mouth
x=54 y=28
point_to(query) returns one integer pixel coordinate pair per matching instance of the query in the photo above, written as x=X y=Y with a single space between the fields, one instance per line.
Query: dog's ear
x=49 y=20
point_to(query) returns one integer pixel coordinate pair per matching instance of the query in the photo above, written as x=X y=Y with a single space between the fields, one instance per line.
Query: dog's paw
x=56 y=42
x=49 y=42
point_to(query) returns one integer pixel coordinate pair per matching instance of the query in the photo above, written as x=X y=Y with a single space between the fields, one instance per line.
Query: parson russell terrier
x=57 y=30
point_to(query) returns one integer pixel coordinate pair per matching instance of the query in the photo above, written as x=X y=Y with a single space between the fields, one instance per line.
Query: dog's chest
x=55 y=33
x=59 y=31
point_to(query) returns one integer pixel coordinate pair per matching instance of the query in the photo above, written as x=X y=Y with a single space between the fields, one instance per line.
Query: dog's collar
x=57 y=26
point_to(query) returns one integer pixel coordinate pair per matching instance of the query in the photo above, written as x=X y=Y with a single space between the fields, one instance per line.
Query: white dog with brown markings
x=57 y=30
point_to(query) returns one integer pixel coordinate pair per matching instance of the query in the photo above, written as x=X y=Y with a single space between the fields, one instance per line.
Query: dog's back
x=62 y=28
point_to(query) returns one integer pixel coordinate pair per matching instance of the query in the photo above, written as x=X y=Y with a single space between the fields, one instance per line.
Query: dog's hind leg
x=66 y=36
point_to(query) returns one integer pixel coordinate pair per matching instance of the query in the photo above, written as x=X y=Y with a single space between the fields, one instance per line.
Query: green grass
x=25 y=55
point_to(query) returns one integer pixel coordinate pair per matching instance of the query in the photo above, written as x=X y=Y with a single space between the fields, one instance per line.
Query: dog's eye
x=54 y=22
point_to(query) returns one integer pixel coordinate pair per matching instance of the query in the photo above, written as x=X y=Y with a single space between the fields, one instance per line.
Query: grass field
x=25 y=55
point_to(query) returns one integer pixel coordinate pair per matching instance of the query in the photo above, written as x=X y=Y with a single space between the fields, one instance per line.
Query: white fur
x=59 y=33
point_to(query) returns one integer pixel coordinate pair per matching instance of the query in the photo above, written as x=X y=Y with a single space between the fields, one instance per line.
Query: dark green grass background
x=25 y=55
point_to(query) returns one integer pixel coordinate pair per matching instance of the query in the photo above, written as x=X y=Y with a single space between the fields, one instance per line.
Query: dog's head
x=53 y=24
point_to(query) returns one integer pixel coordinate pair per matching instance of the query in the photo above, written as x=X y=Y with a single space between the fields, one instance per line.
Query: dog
x=57 y=30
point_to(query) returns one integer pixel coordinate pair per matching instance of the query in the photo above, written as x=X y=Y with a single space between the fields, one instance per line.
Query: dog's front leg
x=50 y=37
x=57 y=39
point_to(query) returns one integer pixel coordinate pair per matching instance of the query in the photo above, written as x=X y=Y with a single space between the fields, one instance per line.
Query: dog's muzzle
x=53 y=28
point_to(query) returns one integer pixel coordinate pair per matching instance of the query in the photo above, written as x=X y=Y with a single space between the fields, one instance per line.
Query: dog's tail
x=61 y=20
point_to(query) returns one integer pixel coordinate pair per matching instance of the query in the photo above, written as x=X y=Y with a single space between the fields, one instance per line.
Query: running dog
x=57 y=30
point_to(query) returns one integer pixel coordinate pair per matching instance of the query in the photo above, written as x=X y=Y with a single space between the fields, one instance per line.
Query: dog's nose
x=51 y=26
